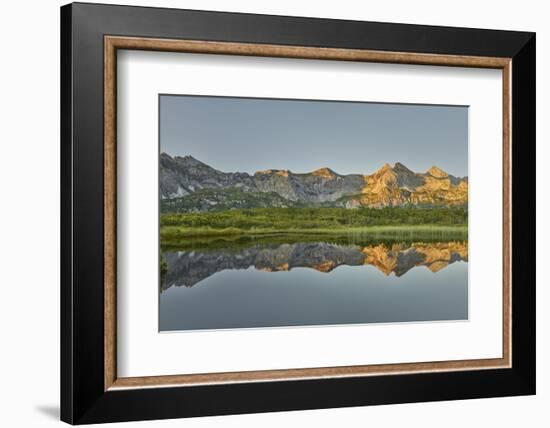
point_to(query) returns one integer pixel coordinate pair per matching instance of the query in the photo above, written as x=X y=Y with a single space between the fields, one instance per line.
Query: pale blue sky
x=251 y=134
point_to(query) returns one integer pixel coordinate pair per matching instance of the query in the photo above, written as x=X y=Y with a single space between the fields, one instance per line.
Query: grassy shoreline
x=171 y=232
x=396 y=222
x=229 y=243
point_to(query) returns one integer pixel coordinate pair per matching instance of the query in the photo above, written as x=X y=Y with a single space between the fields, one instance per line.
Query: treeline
x=312 y=218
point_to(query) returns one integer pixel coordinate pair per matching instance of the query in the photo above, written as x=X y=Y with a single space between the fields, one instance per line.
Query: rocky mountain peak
x=399 y=167
x=436 y=172
x=384 y=168
x=325 y=173
x=189 y=160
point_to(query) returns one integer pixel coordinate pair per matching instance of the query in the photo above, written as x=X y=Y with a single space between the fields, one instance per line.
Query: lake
x=285 y=281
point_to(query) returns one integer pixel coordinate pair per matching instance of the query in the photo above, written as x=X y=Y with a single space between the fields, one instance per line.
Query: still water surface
x=230 y=285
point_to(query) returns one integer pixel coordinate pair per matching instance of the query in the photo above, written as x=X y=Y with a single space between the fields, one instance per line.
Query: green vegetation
x=412 y=223
x=317 y=218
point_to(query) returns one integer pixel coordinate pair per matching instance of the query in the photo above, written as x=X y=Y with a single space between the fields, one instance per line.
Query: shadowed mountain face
x=187 y=268
x=186 y=184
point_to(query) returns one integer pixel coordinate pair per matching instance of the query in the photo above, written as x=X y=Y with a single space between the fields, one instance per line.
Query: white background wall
x=29 y=214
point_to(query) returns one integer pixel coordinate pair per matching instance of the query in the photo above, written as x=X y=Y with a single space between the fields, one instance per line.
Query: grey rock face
x=313 y=187
x=181 y=176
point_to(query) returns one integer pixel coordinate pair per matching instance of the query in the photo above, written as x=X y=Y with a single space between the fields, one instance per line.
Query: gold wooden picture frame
x=114 y=43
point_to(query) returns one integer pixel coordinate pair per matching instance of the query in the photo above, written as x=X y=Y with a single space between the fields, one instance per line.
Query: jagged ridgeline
x=189 y=185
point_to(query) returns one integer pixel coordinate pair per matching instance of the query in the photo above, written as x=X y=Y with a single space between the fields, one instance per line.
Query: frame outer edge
x=66 y=218
x=524 y=217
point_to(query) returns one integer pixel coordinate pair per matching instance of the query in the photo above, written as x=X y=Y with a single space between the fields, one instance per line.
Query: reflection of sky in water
x=303 y=296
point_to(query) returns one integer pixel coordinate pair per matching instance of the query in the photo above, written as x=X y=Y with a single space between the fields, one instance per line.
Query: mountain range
x=189 y=185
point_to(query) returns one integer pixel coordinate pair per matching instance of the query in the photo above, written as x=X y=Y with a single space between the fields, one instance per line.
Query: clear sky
x=251 y=134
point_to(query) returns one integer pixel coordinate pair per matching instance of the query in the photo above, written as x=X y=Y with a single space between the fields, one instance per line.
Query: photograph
x=300 y=213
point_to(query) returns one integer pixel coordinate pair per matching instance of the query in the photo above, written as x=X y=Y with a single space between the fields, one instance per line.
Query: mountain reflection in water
x=189 y=267
x=284 y=281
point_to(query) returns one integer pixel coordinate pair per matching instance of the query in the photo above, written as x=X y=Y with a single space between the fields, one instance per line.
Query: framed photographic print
x=265 y=213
